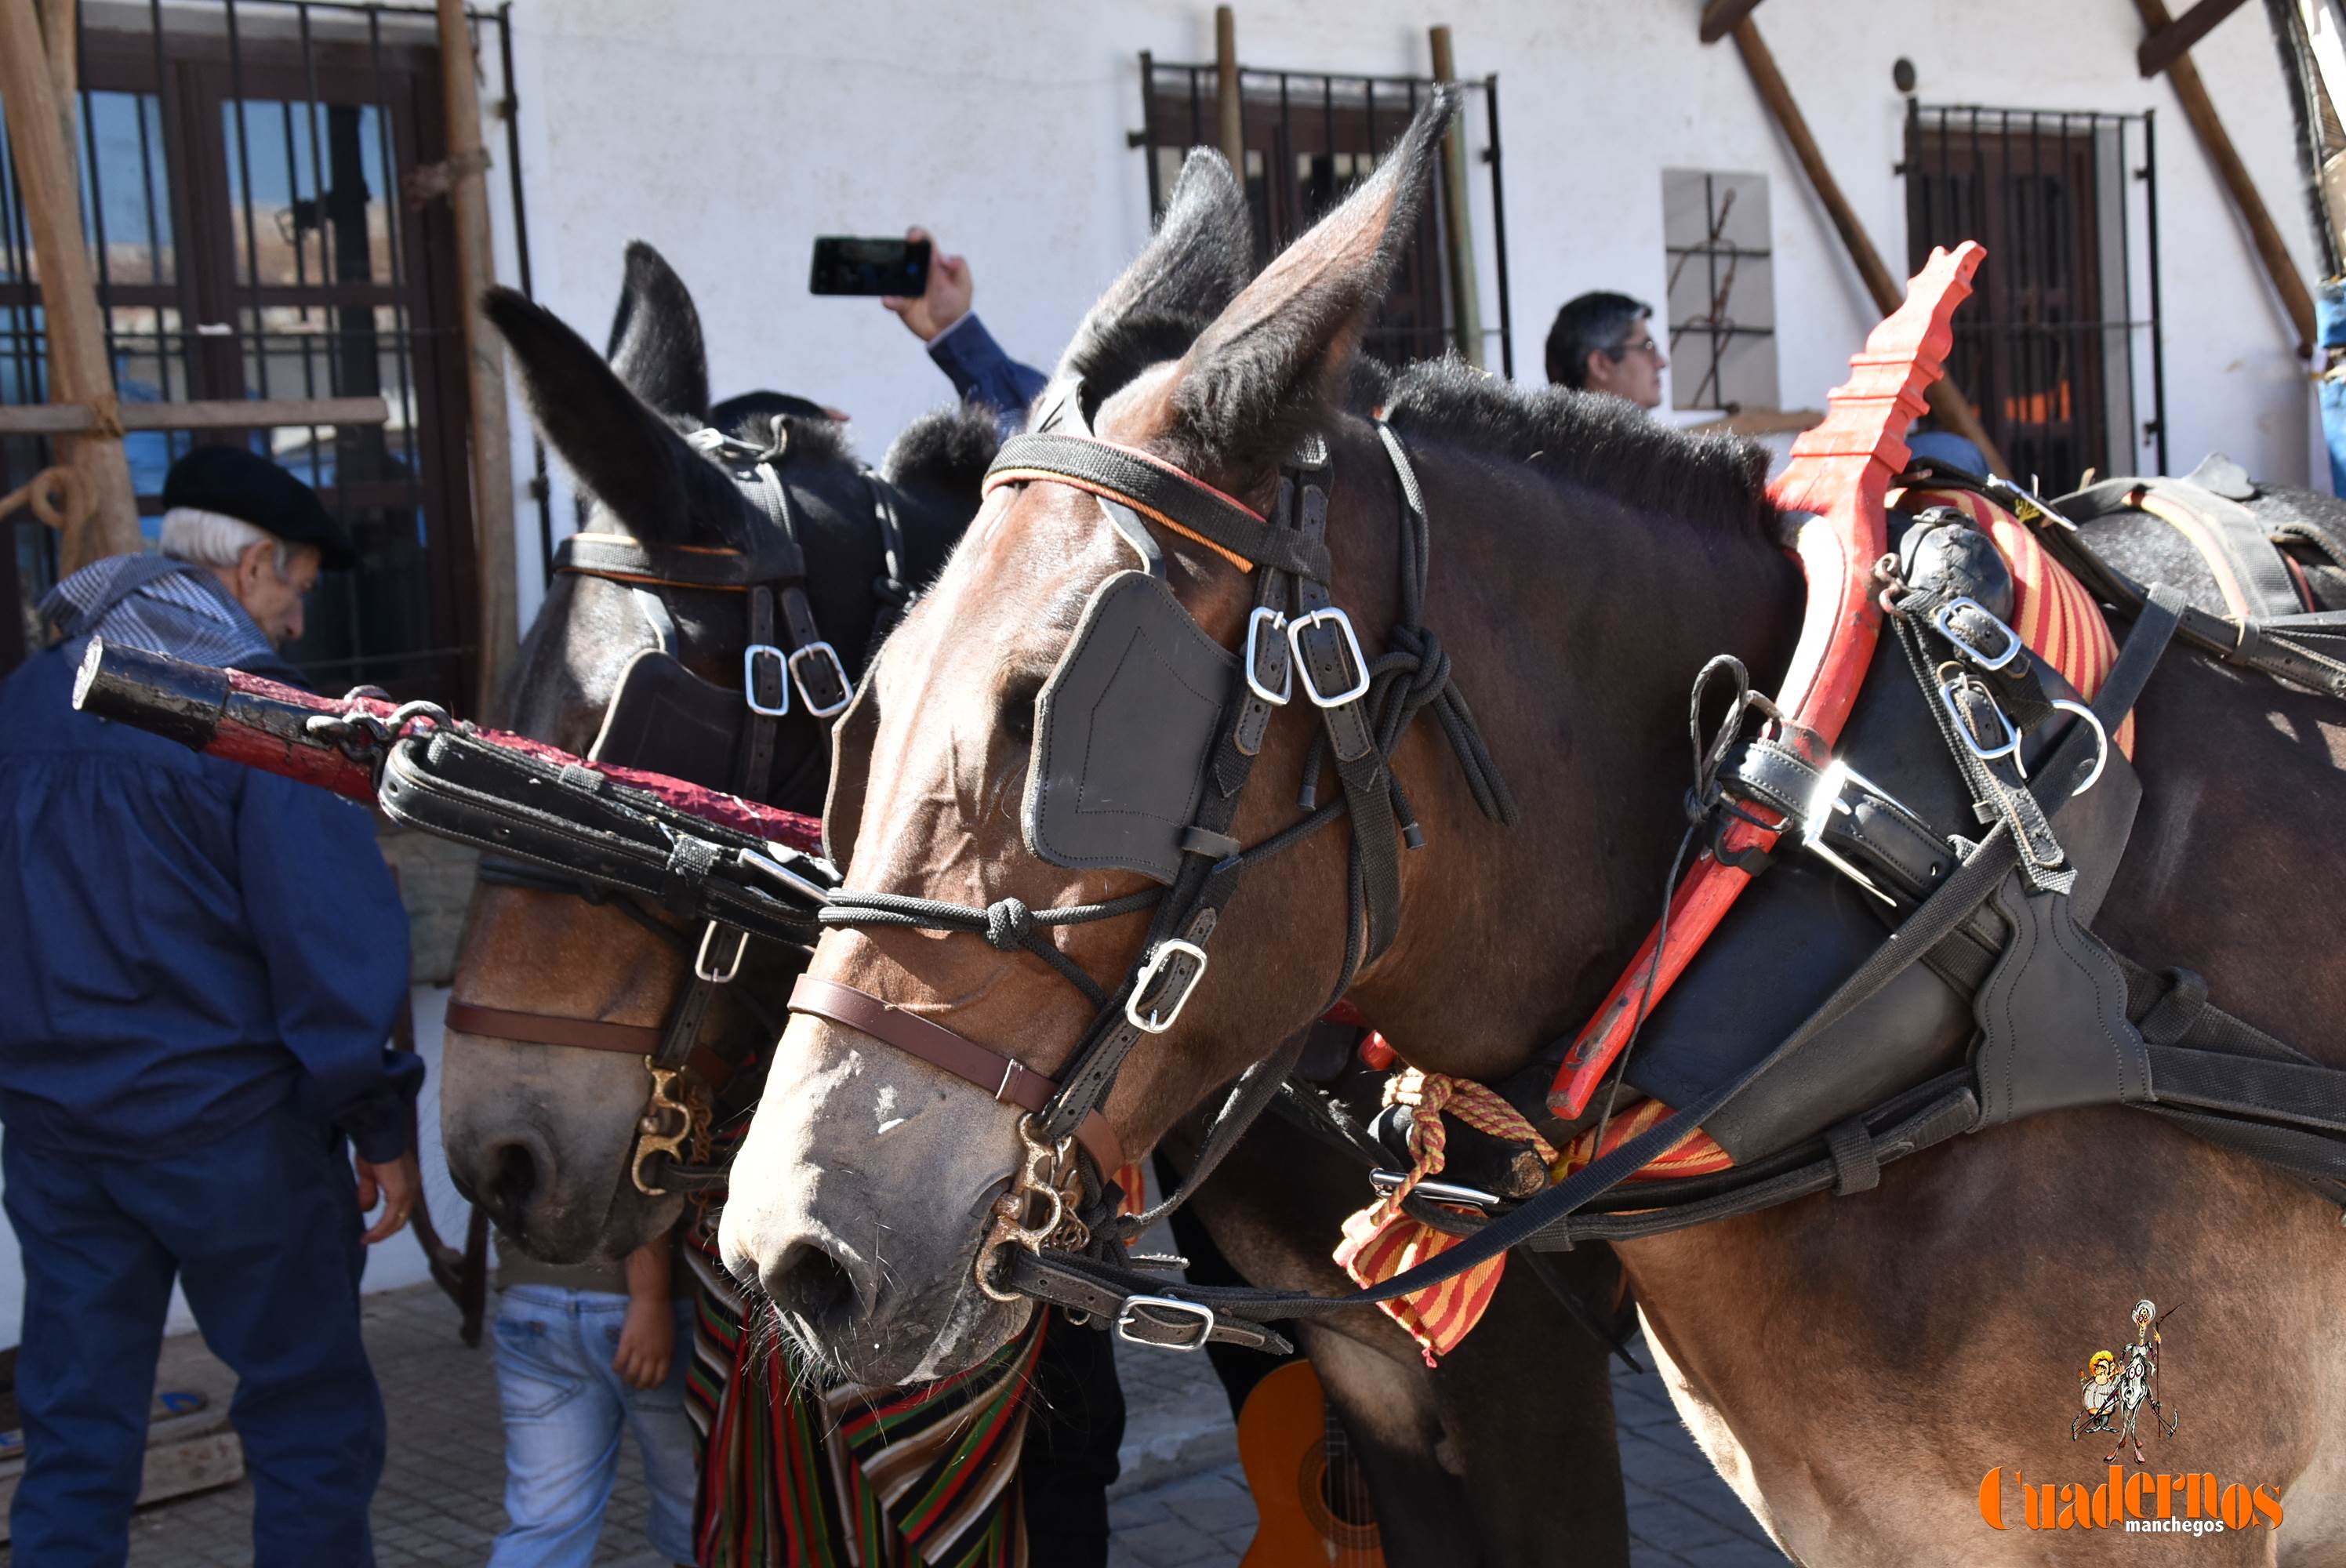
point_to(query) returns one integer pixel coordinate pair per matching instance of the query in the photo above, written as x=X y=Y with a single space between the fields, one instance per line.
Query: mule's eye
x=1018 y=699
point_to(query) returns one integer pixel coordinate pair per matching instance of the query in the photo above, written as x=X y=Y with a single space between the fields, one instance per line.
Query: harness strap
x=625 y=560
x=1006 y=1079
x=548 y=1029
x=1159 y=490
x=1939 y=916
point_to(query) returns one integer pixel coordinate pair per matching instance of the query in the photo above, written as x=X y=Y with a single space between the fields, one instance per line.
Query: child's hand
x=647 y=1344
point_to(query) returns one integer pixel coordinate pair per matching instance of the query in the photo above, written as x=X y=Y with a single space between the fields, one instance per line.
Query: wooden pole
x=1948 y=404
x=79 y=369
x=484 y=359
x=2171 y=42
x=1228 y=107
x=1465 y=292
x=2184 y=76
x=218 y=414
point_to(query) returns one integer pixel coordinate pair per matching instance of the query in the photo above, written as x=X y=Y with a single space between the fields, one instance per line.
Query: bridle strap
x=1157 y=490
x=550 y=1029
x=623 y=559
x=1009 y=1081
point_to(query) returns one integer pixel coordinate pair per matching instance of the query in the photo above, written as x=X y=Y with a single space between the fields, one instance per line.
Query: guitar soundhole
x=1336 y=1498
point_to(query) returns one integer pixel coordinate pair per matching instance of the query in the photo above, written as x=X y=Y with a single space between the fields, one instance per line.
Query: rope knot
x=1008 y=925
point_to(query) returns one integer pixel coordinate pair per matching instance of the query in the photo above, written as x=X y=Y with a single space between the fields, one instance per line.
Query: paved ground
x=1182 y=1502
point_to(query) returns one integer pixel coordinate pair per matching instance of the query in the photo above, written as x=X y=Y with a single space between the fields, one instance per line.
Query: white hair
x=205 y=538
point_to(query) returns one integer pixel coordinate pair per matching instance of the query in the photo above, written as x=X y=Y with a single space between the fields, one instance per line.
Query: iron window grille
x=2052 y=349
x=248 y=176
x=1310 y=136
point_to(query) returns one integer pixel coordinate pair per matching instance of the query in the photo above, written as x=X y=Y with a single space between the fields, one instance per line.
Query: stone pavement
x=1182 y=1502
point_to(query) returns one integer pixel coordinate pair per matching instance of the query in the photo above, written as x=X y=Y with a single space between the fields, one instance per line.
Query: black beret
x=242 y=484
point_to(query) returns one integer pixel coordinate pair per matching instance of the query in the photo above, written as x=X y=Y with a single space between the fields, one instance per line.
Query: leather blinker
x=1123 y=731
x=664 y=718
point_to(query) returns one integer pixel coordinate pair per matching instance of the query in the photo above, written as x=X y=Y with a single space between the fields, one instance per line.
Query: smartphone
x=845 y=265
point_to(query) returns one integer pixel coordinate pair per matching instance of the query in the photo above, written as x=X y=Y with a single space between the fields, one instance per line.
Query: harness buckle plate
x=749 y=657
x=1336 y=618
x=1945 y=619
x=1816 y=815
x=1196 y=1312
x=1265 y=615
x=829 y=655
x=1158 y=960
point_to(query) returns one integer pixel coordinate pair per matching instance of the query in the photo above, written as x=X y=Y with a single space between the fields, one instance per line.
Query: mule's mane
x=946 y=450
x=1590 y=439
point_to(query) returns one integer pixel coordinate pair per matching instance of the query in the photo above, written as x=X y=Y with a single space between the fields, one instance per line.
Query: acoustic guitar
x=1311 y=1501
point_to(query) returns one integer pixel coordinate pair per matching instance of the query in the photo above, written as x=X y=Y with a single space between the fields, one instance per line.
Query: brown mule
x=1856 y=1367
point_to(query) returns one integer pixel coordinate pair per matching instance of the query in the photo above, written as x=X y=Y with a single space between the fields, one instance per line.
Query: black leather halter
x=1364 y=706
x=771 y=575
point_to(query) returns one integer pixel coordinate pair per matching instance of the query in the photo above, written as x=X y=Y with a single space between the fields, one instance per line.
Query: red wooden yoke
x=1840 y=470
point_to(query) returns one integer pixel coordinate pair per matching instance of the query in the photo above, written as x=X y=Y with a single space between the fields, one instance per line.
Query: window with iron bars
x=2058 y=348
x=247 y=172
x=1310 y=137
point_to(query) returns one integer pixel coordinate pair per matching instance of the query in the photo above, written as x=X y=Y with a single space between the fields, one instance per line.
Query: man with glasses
x=1604 y=344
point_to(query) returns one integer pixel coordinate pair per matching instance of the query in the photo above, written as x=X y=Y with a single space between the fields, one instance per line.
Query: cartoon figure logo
x=2113 y=1389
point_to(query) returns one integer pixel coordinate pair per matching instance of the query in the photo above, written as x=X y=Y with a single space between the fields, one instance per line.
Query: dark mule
x=540 y=1135
x=1856 y=1367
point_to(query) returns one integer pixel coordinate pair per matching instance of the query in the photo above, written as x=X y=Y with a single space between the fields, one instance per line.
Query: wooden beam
x=1465 y=288
x=1948 y=404
x=79 y=369
x=1229 y=109
x=2200 y=111
x=2172 y=42
x=484 y=359
x=224 y=413
x=1720 y=17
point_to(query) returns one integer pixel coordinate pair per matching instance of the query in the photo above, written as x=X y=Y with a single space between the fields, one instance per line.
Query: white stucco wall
x=729 y=134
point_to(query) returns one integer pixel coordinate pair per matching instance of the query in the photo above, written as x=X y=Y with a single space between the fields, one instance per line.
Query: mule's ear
x=1201 y=256
x=1276 y=358
x=620 y=449
x=655 y=343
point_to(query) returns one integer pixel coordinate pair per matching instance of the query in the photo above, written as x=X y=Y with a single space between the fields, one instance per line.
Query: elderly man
x=202 y=967
x=1605 y=343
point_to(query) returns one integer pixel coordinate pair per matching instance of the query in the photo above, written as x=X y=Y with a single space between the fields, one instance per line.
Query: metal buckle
x=700 y=959
x=1197 y=1311
x=1164 y=954
x=838 y=672
x=2101 y=740
x=749 y=678
x=1264 y=614
x=1344 y=623
x=2011 y=744
x=1474 y=1197
x=1822 y=802
x=1944 y=620
x=769 y=866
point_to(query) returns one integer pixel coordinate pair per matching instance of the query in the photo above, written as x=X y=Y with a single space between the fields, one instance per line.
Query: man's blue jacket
x=187 y=944
x=982 y=372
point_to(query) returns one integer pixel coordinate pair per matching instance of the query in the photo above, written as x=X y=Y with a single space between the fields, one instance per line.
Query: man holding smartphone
x=958 y=341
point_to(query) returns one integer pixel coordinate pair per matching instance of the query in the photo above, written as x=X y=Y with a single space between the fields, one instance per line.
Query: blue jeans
x=563 y=1410
x=262 y=1227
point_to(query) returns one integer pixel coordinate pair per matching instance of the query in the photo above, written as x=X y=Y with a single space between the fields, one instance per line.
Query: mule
x=541 y=1135
x=1855 y=1367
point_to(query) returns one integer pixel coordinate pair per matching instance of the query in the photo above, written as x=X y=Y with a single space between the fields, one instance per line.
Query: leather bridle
x=1364 y=707
x=672 y=1150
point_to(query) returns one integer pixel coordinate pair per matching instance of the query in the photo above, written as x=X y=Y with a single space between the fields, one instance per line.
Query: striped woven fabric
x=2051 y=610
x=1381 y=1241
x=1694 y=1155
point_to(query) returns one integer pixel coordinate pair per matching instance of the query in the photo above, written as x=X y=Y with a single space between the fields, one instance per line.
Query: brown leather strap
x=546 y=1029
x=1009 y=1082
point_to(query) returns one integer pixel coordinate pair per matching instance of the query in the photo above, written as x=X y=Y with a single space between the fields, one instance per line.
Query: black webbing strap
x=894 y=594
x=1939 y=916
x=1161 y=491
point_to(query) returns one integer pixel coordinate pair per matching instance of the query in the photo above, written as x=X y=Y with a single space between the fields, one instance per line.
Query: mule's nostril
x=813 y=1287
x=513 y=1176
